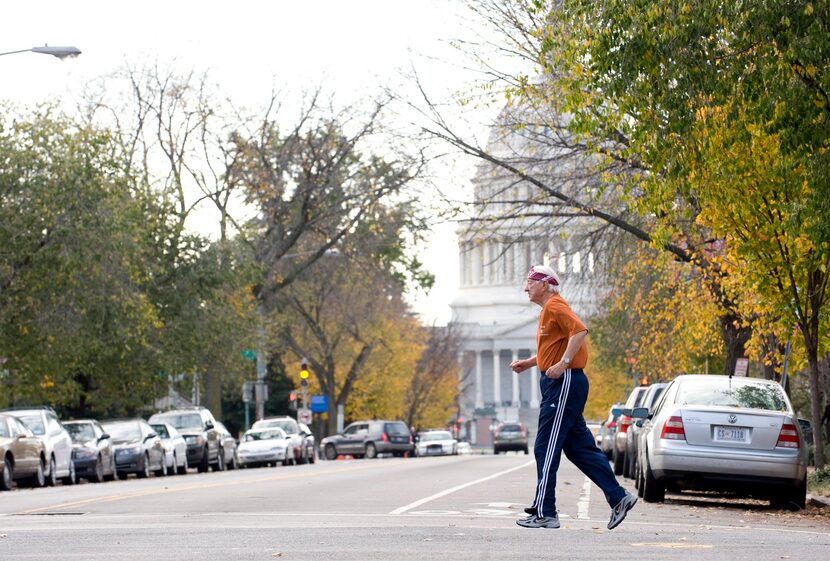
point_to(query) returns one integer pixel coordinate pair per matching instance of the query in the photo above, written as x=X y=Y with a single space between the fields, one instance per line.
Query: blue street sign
x=319 y=403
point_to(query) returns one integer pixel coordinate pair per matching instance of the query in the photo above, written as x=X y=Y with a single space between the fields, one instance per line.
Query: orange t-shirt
x=557 y=323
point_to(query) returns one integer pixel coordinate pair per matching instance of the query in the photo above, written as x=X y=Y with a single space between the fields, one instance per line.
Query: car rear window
x=396 y=428
x=511 y=428
x=186 y=421
x=80 y=432
x=731 y=393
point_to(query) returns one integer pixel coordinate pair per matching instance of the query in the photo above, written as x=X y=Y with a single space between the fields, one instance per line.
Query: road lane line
x=451 y=490
x=584 y=501
x=165 y=490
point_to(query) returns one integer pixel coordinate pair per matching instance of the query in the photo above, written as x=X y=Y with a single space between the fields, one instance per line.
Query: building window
x=577 y=262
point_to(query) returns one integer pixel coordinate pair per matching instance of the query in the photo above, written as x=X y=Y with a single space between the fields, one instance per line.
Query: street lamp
x=60 y=52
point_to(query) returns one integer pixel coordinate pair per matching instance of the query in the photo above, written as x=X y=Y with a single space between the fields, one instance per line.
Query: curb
x=821 y=502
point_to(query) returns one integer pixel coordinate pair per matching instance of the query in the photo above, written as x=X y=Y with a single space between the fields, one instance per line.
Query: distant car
x=302 y=442
x=436 y=443
x=44 y=423
x=198 y=427
x=92 y=450
x=650 y=398
x=175 y=448
x=368 y=439
x=263 y=446
x=635 y=398
x=23 y=454
x=608 y=430
x=138 y=448
x=722 y=433
x=510 y=436
x=227 y=445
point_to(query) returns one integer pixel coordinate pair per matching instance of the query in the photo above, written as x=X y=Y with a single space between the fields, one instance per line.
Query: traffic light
x=292 y=400
x=304 y=369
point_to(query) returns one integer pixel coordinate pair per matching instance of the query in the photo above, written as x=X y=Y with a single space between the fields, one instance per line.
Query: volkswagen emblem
x=733 y=419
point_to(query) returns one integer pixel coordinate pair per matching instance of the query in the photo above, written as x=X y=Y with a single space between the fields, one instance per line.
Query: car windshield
x=161 y=430
x=288 y=426
x=397 y=429
x=80 y=432
x=184 y=421
x=732 y=393
x=34 y=422
x=125 y=431
x=266 y=434
x=436 y=435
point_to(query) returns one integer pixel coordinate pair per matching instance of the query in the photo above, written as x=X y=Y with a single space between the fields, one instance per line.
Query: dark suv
x=510 y=436
x=198 y=427
x=368 y=439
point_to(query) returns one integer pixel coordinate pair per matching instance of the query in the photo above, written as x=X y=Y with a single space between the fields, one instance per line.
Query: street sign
x=249 y=354
x=247 y=392
x=741 y=366
x=319 y=403
x=304 y=416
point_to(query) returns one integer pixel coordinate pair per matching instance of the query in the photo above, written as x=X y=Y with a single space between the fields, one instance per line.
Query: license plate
x=731 y=434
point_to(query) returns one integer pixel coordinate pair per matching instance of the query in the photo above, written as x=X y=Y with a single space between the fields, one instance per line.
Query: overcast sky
x=349 y=47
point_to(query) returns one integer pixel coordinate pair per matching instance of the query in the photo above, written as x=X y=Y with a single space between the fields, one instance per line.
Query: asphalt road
x=391 y=509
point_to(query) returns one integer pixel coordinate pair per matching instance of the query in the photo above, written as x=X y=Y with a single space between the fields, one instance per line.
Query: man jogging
x=561 y=356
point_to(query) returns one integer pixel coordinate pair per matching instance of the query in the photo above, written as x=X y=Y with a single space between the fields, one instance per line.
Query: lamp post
x=59 y=52
x=260 y=393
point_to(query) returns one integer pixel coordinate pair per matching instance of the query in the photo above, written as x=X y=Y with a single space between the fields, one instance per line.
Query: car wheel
x=174 y=465
x=618 y=462
x=182 y=469
x=654 y=491
x=371 y=451
x=98 y=474
x=791 y=499
x=52 y=478
x=8 y=475
x=145 y=470
x=113 y=474
x=526 y=452
x=123 y=475
x=204 y=465
x=330 y=452
x=39 y=479
x=220 y=461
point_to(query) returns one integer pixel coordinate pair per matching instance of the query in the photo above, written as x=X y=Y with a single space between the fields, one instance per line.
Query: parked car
x=227 y=445
x=24 y=455
x=175 y=448
x=302 y=441
x=263 y=446
x=198 y=427
x=138 y=448
x=608 y=430
x=44 y=423
x=635 y=398
x=368 y=439
x=650 y=398
x=92 y=450
x=724 y=433
x=510 y=436
x=435 y=443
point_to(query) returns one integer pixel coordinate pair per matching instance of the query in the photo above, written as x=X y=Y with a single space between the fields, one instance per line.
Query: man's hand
x=522 y=364
x=555 y=372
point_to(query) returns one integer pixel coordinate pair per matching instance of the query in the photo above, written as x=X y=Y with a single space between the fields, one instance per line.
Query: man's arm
x=523 y=364
x=574 y=343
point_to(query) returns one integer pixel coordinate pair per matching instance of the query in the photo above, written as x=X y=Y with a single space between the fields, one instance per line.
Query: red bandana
x=537 y=276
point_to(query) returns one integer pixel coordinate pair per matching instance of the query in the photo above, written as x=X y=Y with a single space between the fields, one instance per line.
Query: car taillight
x=625 y=422
x=788 y=437
x=673 y=429
x=384 y=437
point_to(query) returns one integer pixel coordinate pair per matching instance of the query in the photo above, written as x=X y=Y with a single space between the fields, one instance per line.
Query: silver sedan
x=738 y=435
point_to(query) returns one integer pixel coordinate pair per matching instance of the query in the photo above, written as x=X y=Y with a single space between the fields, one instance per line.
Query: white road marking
x=451 y=490
x=584 y=501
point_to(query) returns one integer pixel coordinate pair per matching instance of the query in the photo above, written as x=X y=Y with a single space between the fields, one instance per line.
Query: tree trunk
x=213 y=392
x=735 y=338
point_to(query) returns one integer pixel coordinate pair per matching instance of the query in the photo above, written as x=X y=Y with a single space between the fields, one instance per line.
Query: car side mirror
x=637 y=412
x=208 y=425
x=149 y=436
x=103 y=437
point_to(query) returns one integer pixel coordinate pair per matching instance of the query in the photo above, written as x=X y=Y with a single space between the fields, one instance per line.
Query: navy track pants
x=562 y=428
